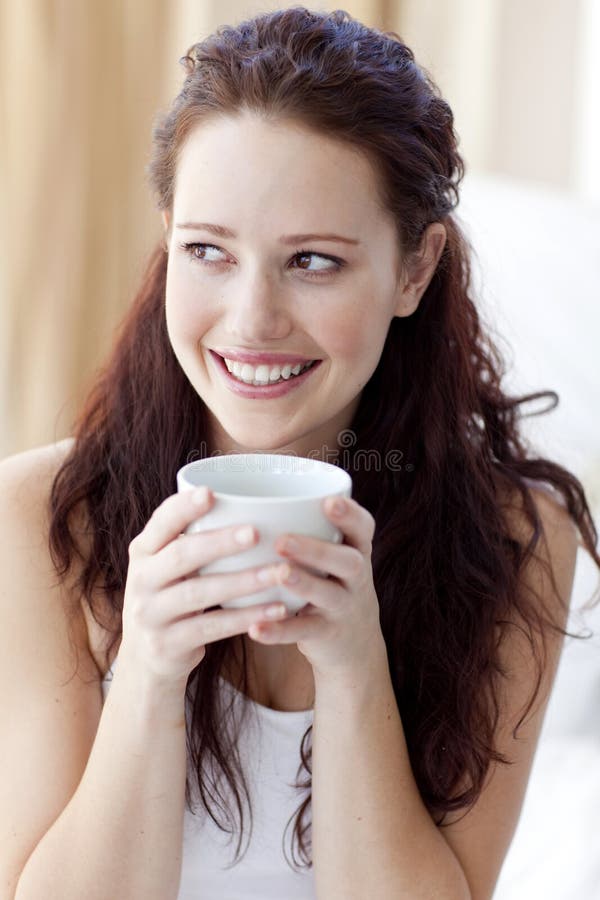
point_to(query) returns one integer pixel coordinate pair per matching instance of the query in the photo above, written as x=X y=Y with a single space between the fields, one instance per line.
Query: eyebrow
x=222 y=231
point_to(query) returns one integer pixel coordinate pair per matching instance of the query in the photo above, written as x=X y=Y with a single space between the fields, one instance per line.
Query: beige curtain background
x=80 y=82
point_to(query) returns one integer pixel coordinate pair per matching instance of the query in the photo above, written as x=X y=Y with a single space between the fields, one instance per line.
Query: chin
x=250 y=443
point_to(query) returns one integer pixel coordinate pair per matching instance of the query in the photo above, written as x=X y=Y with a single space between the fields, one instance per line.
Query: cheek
x=185 y=313
x=357 y=336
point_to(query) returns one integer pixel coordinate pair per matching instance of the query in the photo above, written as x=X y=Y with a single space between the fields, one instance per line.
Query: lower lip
x=269 y=390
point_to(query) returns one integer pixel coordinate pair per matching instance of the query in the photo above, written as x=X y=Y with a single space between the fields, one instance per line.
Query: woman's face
x=289 y=253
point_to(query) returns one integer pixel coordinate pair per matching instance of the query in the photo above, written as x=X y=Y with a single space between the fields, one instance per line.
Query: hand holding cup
x=166 y=626
x=273 y=493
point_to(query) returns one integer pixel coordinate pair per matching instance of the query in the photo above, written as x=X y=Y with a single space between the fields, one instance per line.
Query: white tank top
x=270 y=755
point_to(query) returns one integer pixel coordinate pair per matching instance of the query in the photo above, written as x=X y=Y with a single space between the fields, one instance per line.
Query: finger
x=169 y=519
x=322 y=593
x=290 y=630
x=190 y=552
x=197 y=594
x=355 y=522
x=340 y=560
x=205 y=628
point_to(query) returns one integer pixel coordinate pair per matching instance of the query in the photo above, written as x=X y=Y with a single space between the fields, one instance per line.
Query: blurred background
x=80 y=84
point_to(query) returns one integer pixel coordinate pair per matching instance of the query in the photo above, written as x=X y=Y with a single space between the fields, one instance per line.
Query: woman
x=306 y=175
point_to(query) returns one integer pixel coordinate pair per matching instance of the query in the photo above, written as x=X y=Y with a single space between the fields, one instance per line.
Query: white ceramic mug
x=274 y=492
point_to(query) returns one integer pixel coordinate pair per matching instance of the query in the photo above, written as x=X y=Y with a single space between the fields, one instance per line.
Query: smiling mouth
x=249 y=386
x=269 y=374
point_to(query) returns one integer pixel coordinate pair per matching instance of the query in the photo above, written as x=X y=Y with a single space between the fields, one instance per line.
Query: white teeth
x=263 y=374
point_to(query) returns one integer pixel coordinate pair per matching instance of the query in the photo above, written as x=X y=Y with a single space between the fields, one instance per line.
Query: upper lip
x=254 y=358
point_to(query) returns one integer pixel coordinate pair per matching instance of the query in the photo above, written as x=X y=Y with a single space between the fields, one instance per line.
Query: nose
x=257 y=309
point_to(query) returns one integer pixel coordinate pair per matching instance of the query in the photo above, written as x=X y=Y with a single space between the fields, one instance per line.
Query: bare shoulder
x=481 y=838
x=547 y=580
x=51 y=696
x=25 y=482
x=556 y=551
x=46 y=455
x=26 y=477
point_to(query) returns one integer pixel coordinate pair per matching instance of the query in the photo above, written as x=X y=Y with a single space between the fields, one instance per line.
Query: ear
x=419 y=268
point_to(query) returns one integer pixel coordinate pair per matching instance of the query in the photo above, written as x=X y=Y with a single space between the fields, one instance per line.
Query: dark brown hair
x=447 y=571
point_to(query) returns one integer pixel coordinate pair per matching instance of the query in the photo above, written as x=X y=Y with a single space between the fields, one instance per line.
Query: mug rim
x=342 y=488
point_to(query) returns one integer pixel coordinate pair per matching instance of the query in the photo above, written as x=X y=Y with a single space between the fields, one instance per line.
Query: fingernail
x=292 y=576
x=267 y=575
x=275 y=612
x=200 y=496
x=290 y=545
x=338 y=508
x=244 y=535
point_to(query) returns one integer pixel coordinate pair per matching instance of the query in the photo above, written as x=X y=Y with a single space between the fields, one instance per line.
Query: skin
x=265 y=180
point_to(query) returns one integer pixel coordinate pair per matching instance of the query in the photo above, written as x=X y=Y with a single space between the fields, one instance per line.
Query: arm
x=121 y=833
x=372 y=835
x=91 y=799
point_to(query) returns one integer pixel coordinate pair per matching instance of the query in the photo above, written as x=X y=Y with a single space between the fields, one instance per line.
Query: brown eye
x=316 y=265
x=207 y=253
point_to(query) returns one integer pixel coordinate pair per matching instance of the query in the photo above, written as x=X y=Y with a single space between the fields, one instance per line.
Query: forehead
x=264 y=171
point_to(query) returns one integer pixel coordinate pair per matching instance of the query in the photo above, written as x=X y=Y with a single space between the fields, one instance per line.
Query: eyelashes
x=191 y=248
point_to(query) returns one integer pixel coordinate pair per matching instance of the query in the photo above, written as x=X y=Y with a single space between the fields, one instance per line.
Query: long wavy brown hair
x=447 y=572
